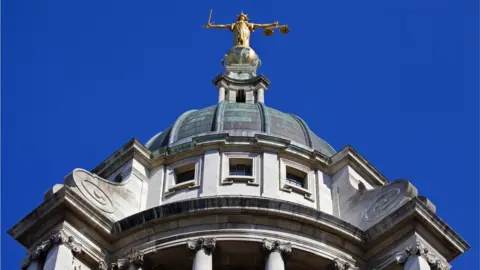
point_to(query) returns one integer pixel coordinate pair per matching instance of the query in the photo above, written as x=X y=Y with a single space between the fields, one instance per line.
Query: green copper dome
x=239 y=119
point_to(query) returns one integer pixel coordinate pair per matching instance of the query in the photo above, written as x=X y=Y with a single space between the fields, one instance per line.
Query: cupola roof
x=239 y=119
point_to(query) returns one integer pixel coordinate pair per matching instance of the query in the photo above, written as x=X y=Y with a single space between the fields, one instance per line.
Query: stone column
x=203 y=248
x=221 y=94
x=276 y=252
x=260 y=95
x=417 y=257
x=61 y=250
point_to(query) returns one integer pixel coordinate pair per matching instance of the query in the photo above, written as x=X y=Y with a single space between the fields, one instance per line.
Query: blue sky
x=397 y=80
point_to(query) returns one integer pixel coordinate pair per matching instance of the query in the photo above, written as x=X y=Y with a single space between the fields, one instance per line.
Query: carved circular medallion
x=86 y=183
x=382 y=205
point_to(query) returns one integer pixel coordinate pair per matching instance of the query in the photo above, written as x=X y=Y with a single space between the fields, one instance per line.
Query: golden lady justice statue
x=242 y=29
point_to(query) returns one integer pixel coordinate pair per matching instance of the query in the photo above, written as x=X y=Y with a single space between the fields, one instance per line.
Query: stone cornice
x=40 y=251
x=67 y=201
x=257 y=139
x=417 y=210
x=255 y=80
x=227 y=204
x=348 y=155
x=60 y=203
x=133 y=148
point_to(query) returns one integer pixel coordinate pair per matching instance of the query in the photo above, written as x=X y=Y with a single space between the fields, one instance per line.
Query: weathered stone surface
x=368 y=207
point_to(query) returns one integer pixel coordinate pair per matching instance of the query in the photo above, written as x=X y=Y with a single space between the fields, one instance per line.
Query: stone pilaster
x=203 y=248
x=419 y=257
x=276 y=253
x=58 y=249
x=62 y=248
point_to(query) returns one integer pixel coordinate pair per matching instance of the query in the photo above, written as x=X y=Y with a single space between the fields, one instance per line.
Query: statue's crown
x=242 y=14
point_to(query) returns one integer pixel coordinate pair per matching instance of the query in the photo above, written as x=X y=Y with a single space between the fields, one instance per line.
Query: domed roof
x=239 y=119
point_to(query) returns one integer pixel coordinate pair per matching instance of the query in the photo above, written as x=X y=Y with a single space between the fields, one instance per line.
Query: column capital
x=133 y=257
x=284 y=248
x=40 y=251
x=102 y=265
x=207 y=244
x=61 y=238
x=418 y=249
x=341 y=265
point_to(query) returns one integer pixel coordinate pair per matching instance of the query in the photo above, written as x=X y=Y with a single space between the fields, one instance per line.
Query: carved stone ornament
x=275 y=245
x=41 y=250
x=102 y=265
x=133 y=257
x=419 y=250
x=90 y=185
x=340 y=265
x=383 y=205
x=208 y=244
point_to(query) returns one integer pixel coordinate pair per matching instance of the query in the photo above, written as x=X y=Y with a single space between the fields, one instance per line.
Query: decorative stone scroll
x=40 y=251
x=208 y=244
x=275 y=245
x=383 y=205
x=419 y=250
x=364 y=209
x=88 y=185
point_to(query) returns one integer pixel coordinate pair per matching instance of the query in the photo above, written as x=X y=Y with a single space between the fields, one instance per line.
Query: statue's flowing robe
x=241 y=33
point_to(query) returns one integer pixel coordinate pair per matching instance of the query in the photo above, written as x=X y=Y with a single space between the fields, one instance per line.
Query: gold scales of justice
x=242 y=28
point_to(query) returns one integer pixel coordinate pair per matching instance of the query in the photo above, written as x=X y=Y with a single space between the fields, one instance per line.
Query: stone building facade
x=237 y=185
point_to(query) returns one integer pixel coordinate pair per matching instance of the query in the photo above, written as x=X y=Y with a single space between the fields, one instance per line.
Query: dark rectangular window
x=296 y=177
x=185 y=173
x=241 y=96
x=241 y=166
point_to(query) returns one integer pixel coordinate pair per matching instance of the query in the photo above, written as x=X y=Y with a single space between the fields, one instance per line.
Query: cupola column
x=260 y=95
x=203 y=248
x=222 y=88
x=276 y=253
x=221 y=94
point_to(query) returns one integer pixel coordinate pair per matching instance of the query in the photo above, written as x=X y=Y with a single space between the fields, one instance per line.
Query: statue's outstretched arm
x=229 y=26
x=264 y=25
